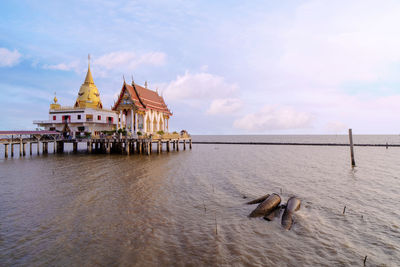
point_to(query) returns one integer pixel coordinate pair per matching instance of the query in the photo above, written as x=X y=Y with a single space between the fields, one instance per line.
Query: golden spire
x=88 y=96
x=89 y=78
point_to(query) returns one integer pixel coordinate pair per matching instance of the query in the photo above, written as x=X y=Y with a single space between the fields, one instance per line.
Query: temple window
x=54 y=118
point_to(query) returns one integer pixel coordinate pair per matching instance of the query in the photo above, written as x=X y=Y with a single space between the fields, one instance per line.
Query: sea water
x=188 y=207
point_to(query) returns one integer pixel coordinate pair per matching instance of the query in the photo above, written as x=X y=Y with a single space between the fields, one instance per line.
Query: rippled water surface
x=187 y=207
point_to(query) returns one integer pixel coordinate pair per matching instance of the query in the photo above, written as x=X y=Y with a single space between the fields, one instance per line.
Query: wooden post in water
x=75 y=146
x=159 y=145
x=61 y=150
x=190 y=143
x=38 y=148
x=12 y=150
x=177 y=145
x=103 y=146
x=30 y=148
x=353 y=162
x=148 y=147
x=168 y=146
x=128 y=147
x=108 y=147
x=184 y=144
x=45 y=151
x=24 y=149
x=89 y=146
x=173 y=145
x=6 y=150
x=54 y=146
x=20 y=147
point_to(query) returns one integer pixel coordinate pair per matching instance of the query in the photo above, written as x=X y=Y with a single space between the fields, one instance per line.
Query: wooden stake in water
x=365 y=260
x=216 y=225
x=353 y=163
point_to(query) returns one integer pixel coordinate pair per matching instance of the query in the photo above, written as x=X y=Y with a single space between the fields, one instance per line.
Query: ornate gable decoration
x=126 y=99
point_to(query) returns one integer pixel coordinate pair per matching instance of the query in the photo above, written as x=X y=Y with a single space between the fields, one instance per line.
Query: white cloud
x=223 y=106
x=199 y=86
x=274 y=118
x=120 y=62
x=329 y=44
x=75 y=66
x=128 y=61
x=9 y=58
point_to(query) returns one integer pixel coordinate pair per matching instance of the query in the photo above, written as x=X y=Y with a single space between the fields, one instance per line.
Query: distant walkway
x=290 y=144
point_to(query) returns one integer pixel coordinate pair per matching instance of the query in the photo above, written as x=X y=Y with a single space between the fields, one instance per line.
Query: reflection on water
x=164 y=209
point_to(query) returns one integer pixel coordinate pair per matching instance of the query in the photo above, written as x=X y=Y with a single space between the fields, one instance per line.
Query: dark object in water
x=258 y=200
x=275 y=213
x=292 y=205
x=267 y=206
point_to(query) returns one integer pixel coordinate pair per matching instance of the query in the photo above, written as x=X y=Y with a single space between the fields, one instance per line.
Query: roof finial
x=123 y=76
x=133 y=82
x=89 y=78
x=55 y=98
x=145 y=84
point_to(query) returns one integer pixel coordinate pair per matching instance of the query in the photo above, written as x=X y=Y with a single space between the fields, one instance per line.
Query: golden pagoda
x=88 y=96
x=86 y=116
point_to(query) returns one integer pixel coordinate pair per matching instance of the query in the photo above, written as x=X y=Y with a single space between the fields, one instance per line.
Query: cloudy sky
x=223 y=67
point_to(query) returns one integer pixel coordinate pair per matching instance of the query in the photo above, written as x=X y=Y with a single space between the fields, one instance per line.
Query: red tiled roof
x=143 y=98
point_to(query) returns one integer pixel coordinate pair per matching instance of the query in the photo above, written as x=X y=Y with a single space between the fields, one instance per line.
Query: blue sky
x=224 y=67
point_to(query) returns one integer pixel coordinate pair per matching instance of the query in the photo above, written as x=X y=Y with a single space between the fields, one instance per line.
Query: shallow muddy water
x=187 y=207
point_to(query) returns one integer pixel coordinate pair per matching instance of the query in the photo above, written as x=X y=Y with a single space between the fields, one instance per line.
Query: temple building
x=141 y=110
x=86 y=116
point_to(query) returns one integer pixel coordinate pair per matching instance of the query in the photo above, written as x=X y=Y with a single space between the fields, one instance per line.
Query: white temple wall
x=101 y=116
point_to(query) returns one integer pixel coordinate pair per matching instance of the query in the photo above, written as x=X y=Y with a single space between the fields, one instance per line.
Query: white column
x=132 y=121
x=126 y=121
x=144 y=123
x=123 y=119
x=136 y=123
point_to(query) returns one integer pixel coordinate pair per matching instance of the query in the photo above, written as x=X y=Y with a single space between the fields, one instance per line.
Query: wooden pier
x=106 y=145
